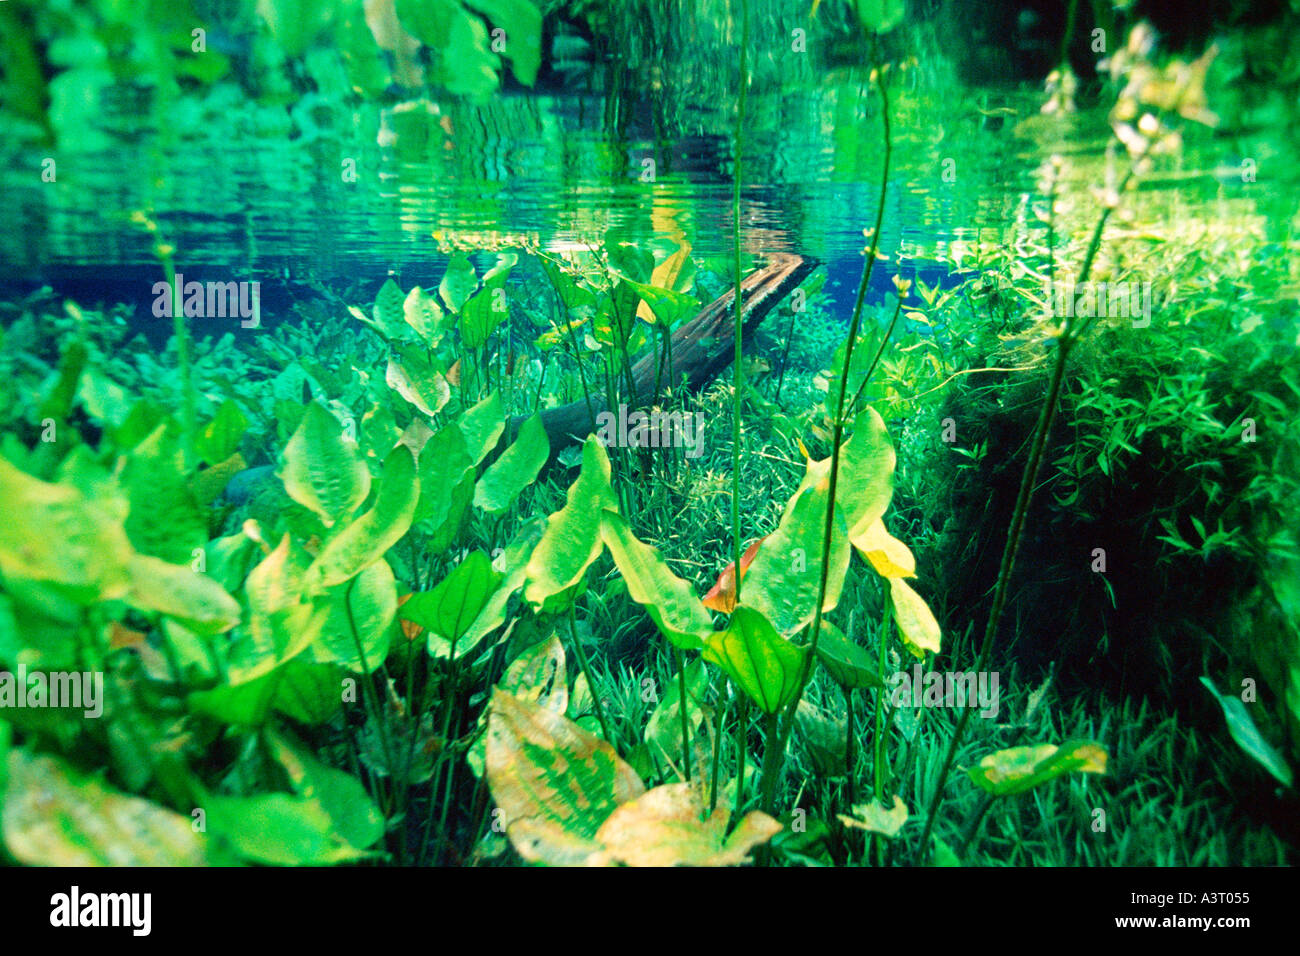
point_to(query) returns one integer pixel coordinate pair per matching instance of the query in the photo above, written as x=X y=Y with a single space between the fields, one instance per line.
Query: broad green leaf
x=429 y=21
x=1018 y=769
x=414 y=377
x=572 y=296
x=194 y=599
x=515 y=470
x=513 y=563
x=866 y=479
x=572 y=540
x=458 y=282
x=219 y=438
x=322 y=471
x=538 y=676
x=874 y=818
x=785 y=577
x=145 y=416
x=670 y=601
x=358 y=611
x=366 y=539
x=616 y=316
x=555 y=782
x=487 y=308
x=52 y=533
x=165 y=518
x=450 y=609
x=422 y=313
x=279 y=829
x=763 y=664
x=57 y=816
x=1242 y=727
x=880 y=16
x=208 y=484
x=246 y=704
x=354 y=816
x=848 y=663
x=666 y=306
x=390 y=316
x=823 y=737
x=522 y=23
x=295 y=23
x=916 y=623
x=281 y=621
x=482 y=426
x=664 y=827
x=469 y=66
x=103 y=399
x=446 y=482
x=310 y=693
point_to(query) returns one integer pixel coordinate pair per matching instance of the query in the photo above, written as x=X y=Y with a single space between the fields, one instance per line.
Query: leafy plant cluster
x=398 y=650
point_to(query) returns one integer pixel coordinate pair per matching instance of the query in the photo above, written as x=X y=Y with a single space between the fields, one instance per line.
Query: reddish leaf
x=722 y=596
x=410 y=629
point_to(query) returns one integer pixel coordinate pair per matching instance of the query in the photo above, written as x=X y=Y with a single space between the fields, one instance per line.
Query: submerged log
x=701 y=348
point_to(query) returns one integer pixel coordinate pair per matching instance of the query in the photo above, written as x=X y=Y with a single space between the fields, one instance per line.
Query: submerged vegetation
x=625 y=545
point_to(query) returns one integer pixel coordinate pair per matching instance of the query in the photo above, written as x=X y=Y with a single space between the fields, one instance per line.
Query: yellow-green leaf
x=55 y=816
x=664 y=828
x=52 y=533
x=1017 y=769
x=415 y=378
x=784 y=579
x=194 y=599
x=889 y=556
x=322 y=470
x=365 y=540
x=670 y=601
x=572 y=539
x=555 y=782
x=875 y=818
x=538 y=676
x=916 y=622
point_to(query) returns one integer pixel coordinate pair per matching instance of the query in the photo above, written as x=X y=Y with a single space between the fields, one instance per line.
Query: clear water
x=258 y=192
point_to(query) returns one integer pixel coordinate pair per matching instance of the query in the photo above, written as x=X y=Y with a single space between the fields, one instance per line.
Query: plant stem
x=768 y=786
x=773 y=747
x=848 y=748
x=586 y=669
x=681 y=709
x=738 y=371
x=878 y=765
x=717 y=754
x=742 y=748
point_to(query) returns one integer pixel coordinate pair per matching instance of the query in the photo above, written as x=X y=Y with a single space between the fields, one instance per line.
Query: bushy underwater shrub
x=1162 y=545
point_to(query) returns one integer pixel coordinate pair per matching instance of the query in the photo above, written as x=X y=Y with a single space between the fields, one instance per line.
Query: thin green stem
x=717 y=754
x=742 y=751
x=586 y=669
x=768 y=785
x=738 y=371
x=681 y=709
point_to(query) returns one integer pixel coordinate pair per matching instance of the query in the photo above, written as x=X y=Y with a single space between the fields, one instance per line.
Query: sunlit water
x=264 y=194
